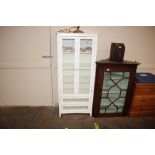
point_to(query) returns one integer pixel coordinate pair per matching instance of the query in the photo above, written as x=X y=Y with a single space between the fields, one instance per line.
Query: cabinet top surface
x=125 y=62
x=76 y=34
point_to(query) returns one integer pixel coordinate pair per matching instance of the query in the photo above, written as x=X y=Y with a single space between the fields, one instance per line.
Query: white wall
x=25 y=77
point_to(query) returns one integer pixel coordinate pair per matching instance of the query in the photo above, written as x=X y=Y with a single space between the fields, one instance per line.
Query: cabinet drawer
x=144 y=100
x=143 y=108
x=145 y=113
x=145 y=89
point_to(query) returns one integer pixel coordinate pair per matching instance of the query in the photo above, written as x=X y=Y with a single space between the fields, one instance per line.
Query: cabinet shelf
x=85 y=52
x=68 y=82
x=69 y=52
x=83 y=91
x=77 y=69
x=84 y=65
x=84 y=81
x=84 y=86
x=74 y=52
x=68 y=65
x=81 y=66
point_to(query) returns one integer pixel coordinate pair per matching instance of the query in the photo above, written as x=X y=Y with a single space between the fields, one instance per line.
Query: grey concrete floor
x=47 y=118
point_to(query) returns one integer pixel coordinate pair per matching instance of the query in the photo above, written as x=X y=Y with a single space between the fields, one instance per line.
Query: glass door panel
x=68 y=49
x=85 y=53
x=114 y=91
x=68 y=81
x=85 y=57
x=84 y=81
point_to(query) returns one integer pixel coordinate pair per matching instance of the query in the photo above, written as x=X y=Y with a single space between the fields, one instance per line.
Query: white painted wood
x=93 y=74
x=77 y=65
x=69 y=35
x=77 y=103
x=76 y=96
x=70 y=111
x=59 y=82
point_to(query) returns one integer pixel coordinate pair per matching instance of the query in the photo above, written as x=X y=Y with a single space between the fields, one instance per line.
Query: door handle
x=47 y=56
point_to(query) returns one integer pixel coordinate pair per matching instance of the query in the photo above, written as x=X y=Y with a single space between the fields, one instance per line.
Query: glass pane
x=113 y=96
x=114 y=91
x=123 y=84
x=104 y=94
x=116 y=75
x=107 y=75
x=111 y=109
x=103 y=105
x=85 y=53
x=85 y=45
x=84 y=81
x=68 y=61
x=68 y=49
x=120 y=102
x=107 y=84
x=68 y=81
x=126 y=74
x=105 y=102
x=123 y=93
x=120 y=110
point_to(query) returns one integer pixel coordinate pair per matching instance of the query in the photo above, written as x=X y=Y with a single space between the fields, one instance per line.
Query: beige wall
x=25 y=77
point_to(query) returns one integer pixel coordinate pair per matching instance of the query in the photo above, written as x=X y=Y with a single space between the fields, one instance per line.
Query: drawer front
x=145 y=89
x=144 y=113
x=143 y=108
x=148 y=100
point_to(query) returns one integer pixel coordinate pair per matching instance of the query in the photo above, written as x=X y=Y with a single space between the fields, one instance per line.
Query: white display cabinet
x=76 y=72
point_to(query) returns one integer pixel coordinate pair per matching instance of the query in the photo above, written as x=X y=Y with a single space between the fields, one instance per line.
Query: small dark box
x=117 y=52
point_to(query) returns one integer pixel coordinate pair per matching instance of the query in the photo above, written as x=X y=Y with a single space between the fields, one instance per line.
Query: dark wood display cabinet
x=113 y=87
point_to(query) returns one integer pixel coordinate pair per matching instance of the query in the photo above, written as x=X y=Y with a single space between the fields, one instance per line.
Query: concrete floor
x=47 y=118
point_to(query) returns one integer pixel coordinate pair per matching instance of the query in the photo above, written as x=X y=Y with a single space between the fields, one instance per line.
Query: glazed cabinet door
x=84 y=68
x=68 y=66
x=114 y=92
x=113 y=87
x=77 y=66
